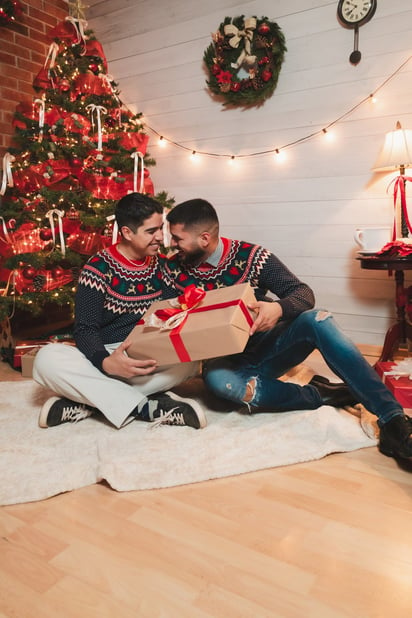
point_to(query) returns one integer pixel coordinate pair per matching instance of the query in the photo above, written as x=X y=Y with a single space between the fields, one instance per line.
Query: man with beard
x=115 y=289
x=286 y=330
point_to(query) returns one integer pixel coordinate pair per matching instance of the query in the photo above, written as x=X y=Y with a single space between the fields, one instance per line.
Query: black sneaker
x=58 y=410
x=170 y=409
x=396 y=439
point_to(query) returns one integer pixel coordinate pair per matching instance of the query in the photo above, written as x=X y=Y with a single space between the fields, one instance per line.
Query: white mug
x=372 y=239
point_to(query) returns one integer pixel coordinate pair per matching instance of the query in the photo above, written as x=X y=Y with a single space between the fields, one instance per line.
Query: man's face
x=189 y=244
x=146 y=240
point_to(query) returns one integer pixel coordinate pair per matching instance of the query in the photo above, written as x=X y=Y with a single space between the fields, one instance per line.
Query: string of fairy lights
x=279 y=151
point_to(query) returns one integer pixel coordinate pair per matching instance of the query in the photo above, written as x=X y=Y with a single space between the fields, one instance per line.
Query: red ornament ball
x=235 y=87
x=73 y=214
x=46 y=234
x=263 y=28
x=109 y=121
x=266 y=75
x=94 y=68
x=64 y=85
x=29 y=272
x=57 y=272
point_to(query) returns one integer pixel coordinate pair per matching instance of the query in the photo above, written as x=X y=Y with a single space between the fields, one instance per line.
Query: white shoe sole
x=44 y=412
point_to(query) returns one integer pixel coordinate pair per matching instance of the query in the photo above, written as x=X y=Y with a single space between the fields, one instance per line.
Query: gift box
x=27 y=361
x=23 y=347
x=397 y=380
x=25 y=352
x=216 y=325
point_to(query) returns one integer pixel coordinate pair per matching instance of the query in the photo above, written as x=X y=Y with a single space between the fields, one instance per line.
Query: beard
x=192 y=258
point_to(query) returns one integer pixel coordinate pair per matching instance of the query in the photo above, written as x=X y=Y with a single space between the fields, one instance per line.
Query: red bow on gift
x=188 y=300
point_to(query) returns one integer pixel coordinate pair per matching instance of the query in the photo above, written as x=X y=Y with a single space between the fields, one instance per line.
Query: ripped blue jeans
x=250 y=378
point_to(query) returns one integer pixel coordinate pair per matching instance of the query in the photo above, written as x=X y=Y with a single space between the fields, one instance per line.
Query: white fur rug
x=38 y=463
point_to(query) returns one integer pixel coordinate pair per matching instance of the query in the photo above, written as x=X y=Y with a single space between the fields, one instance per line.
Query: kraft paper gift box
x=219 y=325
x=27 y=361
x=26 y=352
x=397 y=380
x=22 y=347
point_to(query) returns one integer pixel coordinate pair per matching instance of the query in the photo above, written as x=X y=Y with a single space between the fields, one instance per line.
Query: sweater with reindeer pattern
x=240 y=262
x=113 y=294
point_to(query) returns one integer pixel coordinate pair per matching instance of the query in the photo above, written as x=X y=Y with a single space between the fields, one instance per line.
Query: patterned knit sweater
x=240 y=262
x=112 y=295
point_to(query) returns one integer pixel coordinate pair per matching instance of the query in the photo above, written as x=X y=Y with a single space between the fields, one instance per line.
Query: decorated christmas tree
x=76 y=150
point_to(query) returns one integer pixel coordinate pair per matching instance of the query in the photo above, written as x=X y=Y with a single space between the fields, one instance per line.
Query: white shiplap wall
x=306 y=209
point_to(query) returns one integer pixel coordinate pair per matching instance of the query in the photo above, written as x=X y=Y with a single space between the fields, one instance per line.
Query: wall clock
x=353 y=14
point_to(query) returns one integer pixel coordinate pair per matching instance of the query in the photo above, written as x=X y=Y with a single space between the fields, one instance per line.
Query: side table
x=401 y=331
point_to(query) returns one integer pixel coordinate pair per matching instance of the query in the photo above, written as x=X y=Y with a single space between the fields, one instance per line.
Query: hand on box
x=267 y=315
x=120 y=365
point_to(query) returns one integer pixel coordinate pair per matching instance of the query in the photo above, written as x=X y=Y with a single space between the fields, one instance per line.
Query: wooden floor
x=326 y=539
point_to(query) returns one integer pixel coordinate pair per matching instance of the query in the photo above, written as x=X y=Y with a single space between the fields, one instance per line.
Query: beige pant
x=66 y=371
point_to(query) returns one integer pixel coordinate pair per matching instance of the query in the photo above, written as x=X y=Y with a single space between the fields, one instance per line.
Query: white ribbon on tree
x=246 y=36
x=115 y=230
x=42 y=108
x=136 y=156
x=7 y=174
x=5 y=230
x=11 y=283
x=98 y=109
x=108 y=79
x=52 y=54
x=60 y=215
x=80 y=26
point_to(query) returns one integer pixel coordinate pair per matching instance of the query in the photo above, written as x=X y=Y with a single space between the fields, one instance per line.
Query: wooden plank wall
x=306 y=209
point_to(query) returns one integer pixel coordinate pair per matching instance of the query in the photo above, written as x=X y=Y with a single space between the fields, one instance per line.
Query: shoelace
x=74 y=414
x=168 y=418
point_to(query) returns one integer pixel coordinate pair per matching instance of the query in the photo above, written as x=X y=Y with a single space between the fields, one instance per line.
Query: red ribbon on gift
x=176 y=339
x=188 y=305
x=187 y=301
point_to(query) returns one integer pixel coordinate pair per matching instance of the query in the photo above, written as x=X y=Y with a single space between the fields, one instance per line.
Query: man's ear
x=204 y=239
x=126 y=232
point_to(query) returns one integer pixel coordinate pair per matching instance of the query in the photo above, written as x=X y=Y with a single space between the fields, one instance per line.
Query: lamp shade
x=397 y=150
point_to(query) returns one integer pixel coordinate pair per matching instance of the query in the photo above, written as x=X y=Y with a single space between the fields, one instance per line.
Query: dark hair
x=193 y=212
x=134 y=208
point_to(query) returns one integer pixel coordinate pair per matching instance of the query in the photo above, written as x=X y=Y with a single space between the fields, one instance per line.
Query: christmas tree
x=76 y=150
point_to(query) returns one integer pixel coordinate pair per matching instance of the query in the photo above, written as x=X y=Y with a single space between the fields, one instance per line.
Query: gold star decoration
x=77 y=9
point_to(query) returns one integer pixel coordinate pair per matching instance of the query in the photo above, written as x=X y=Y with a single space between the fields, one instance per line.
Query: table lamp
x=396 y=154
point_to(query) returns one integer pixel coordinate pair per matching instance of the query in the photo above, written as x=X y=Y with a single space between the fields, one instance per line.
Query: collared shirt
x=214 y=259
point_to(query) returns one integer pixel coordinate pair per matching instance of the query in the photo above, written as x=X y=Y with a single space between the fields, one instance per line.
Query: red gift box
x=398 y=383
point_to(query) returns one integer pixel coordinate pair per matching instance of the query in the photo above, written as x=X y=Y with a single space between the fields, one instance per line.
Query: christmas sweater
x=241 y=262
x=112 y=295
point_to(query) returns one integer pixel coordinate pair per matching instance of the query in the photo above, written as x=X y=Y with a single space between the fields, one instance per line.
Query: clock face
x=356 y=12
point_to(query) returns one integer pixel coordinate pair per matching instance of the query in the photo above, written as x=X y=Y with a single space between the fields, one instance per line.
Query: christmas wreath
x=9 y=10
x=244 y=60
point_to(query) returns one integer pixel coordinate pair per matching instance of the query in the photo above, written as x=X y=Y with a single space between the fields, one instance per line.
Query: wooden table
x=401 y=331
